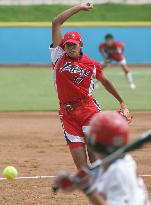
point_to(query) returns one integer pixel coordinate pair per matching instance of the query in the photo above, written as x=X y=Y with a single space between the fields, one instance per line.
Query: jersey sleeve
x=56 y=53
x=98 y=70
x=120 y=45
x=101 y=47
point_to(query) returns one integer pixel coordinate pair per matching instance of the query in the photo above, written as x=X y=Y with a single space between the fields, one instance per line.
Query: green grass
x=105 y=12
x=24 y=89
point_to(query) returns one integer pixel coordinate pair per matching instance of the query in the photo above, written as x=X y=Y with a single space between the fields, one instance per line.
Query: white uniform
x=120 y=184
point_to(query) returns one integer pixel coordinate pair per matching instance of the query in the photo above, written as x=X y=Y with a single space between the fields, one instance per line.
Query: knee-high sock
x=129 y=77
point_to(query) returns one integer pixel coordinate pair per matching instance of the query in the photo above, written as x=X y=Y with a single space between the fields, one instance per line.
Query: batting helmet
x=108 y=131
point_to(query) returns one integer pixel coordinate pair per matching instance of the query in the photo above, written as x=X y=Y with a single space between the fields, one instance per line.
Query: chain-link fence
x=24 y=2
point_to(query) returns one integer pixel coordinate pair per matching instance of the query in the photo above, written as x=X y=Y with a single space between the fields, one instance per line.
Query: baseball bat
x=142 y=140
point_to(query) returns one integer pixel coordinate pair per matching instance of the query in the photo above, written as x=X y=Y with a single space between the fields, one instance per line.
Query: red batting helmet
x=72 y=37
x=108 y=131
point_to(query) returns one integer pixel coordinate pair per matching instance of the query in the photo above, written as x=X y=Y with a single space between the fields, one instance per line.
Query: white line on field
x=145 y=175
x=50 y=177
x=31 y=177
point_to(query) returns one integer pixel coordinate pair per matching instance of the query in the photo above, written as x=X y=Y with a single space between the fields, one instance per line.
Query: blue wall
x=30 y=45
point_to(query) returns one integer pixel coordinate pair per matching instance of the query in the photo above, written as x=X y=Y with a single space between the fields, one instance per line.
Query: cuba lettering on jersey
x=114 y=52
x=75 y=69
x=120 y=184
x=73 y=77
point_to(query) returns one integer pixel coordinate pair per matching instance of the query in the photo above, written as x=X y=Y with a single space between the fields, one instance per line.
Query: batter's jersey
x=114 y=52
x=73 y=77
x=120 y=184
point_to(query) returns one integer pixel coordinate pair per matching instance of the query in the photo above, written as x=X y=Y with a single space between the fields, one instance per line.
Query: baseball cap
x=72 y=37
x=108 y=132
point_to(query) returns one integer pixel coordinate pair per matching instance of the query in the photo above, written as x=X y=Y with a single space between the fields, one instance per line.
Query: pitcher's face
x=72 y=49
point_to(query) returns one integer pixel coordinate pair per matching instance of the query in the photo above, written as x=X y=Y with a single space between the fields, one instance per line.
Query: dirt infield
x=34 y=144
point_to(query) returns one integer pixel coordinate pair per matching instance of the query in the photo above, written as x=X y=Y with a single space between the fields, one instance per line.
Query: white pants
x=108 y=61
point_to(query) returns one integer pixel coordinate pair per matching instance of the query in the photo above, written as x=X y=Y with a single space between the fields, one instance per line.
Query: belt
x=70 y=106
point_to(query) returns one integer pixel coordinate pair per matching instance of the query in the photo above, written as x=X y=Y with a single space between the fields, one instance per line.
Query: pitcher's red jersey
x=73 y=77
x=114 y=52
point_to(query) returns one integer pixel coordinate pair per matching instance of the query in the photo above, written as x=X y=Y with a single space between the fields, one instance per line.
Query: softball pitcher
x=73 y=77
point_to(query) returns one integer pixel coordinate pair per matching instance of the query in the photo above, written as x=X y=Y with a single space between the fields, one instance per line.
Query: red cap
x=108 y=128
x=72 y=37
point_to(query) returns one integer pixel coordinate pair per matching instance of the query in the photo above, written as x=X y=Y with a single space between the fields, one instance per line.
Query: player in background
x=112 y=50
x=73 y=78
x=116 y=183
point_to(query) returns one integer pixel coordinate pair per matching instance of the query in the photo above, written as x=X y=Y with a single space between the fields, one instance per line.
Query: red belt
x=70 y=106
